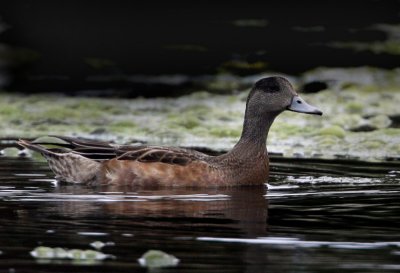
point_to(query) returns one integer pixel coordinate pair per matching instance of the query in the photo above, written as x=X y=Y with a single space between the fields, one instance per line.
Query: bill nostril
x=299 y=101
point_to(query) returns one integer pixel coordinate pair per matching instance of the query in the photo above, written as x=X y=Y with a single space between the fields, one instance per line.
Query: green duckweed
x=43 y=252
x=157 y=258
x=215 y=121
x=333 y=130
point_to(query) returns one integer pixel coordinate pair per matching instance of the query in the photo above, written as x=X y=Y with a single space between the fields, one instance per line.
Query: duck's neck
x=254 y=134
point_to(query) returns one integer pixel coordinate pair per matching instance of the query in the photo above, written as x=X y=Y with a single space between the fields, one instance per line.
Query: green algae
x=43 y=252
x=10 y=152
x=326 y=141
x=215 y=121
x=380 y=121
x=122 y=126
x=373 y=144
x=157 y=259
x=347 y=120
x=188 y=119
x=334 y=130
x=98 y=245
x=9 y=109
x=189 y=122
x=196 y=110
x=285 y=129
x=354 y=107
x=225 y=132
x=390 y=132
x=395 y=148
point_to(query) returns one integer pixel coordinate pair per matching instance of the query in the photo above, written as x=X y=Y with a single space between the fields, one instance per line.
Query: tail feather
x=93 y=149
x=82 y=143
x=67 y=166
x=36 y=147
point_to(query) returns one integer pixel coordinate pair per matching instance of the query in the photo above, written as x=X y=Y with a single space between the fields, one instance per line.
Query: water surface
x=316 y=216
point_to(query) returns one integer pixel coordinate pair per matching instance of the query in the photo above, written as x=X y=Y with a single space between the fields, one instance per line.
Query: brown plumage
x=96 y=163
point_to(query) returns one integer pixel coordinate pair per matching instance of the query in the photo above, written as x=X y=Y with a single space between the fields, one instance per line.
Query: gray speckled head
x=274 y=95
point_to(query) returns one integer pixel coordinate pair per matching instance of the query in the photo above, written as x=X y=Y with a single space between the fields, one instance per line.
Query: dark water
x=316 y=216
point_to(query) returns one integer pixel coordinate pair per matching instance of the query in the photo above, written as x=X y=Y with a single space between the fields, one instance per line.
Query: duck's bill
x=299 y=105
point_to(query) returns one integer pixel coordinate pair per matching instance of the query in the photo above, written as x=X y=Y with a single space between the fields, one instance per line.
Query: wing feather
x=167 y=156
x=98 y=150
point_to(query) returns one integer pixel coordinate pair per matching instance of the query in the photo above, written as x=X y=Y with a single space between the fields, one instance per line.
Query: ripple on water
x=295 y=242
x=273 y=194
x=42 y=196
x=92 y=233
x=331 y=180
x=30 y=174
x=331 y=185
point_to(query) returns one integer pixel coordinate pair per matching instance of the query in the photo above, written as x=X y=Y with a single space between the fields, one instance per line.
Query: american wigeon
x=95 y=163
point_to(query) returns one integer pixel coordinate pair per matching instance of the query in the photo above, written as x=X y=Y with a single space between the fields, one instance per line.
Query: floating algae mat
x=43 y=252
x=157 y=258
x=359 y=121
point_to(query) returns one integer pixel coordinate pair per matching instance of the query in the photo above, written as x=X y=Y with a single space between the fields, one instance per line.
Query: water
x=316 y=216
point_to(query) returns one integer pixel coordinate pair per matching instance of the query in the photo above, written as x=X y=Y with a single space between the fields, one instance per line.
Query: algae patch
x=357 y=119
x=334 y=130
x=88 y=255
x=157 y=259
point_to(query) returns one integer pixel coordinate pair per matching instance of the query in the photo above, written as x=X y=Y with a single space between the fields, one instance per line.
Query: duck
x=92 y=162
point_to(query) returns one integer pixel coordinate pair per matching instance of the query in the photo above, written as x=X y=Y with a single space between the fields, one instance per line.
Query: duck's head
x=272 y=95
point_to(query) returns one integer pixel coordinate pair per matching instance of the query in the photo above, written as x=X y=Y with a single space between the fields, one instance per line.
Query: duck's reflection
x=243 y=209
x=169 y=219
